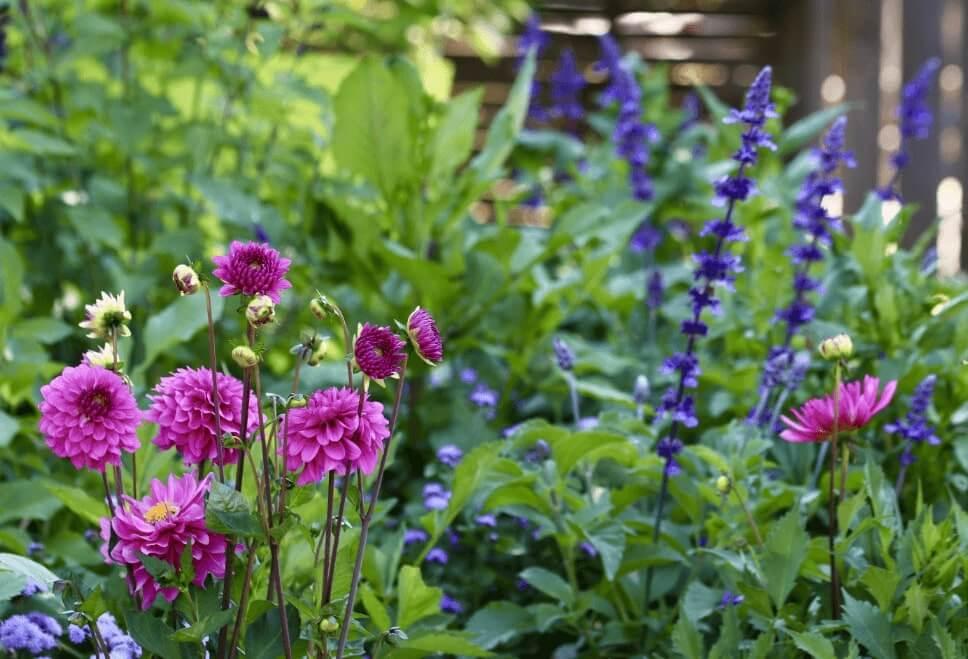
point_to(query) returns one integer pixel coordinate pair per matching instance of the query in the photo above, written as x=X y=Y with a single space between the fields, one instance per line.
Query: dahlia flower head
x=328 y=435
x=106 y=315
x=182 y=407
x=858 y=402
x=161 y=525
x=89 y=416
x=425 y=337
x=379 y=352
x=252 y=269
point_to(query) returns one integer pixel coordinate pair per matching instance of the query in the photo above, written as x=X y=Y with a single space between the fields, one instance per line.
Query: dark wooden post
x=862 y=34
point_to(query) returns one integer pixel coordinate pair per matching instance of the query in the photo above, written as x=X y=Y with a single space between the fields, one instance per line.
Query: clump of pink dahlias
x=425 y=336
x=89 y=416
x=161 y=525
x=379 y=352
x=323 y=435
x=181 y=405
x=859 y=402
x=252 y=269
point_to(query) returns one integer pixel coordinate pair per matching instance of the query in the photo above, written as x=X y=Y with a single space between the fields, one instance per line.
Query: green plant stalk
x=213 y=366
x=749 y=518
x=344 y=631
x=832 y=503
x=243 y=603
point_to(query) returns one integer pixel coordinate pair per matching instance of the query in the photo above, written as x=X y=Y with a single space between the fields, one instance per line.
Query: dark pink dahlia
x=162 y=524
x=323 y=435
x=89 y=416
x=252 y=269
x=379 y=351
x=181 y=405
x=425 y=336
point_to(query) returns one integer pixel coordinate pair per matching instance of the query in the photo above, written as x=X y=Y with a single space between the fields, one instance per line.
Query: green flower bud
x=328 y=625
x=245 y=356
x=723 y=484
x=298 y=401
x=261 y=311
x=317 y=308
x=186 y=279
x=318 y=353
x=836 y=347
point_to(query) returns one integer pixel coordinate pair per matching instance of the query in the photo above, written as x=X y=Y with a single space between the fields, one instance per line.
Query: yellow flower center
x=160 y=511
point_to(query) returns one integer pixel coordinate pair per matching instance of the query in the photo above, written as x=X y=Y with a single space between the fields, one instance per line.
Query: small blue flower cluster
x=34 y=632
x=632 y=136
x=914 y=427
x=714 y=269
x=567 y=83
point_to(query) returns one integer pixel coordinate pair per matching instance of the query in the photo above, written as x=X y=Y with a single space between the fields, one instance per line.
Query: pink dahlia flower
x=182 y=407
x=161 y=525
x=89 y=416
x=425 y=336
x=252 y=269
x=859 y=402
x=323 y=435
x=379 y=351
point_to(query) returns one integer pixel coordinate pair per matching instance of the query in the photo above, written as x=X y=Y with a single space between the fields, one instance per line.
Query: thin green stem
x=213 y=367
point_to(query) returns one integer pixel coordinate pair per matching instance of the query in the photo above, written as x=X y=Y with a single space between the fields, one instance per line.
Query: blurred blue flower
x=449 y=605
x=414 y=536
x=729 y=599
x=914 y=427
x=435 y=496
x=437 y=555
x=563 y=354
x=28 y=632
x=566 y=86
x=450 y=455
x=488 y=520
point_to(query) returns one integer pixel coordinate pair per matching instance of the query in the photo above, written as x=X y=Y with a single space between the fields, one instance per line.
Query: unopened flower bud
x=328 y=625
x=261 y=311
x=317 y=308
x=723 y=484
x=640 y=392
x=318 y=353
x=245 y=356
x=298 y=401
x=836 y=347
x=186 y=279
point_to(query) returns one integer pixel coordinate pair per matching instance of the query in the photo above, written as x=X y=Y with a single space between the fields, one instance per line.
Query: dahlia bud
x=186 y=279
x=245 y=356
x=640 y=392
x=328 y=625
x=297 y=402
x=317 y=308
x=261 y=311
x=723 y=484
x=104 y=357
x=107 y=317
x=836 y=347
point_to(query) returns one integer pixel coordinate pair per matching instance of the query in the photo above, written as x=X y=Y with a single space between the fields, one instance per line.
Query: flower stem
x=832 y=503
x=749 y=518
x=344 y=631
x=243 y=603
x=212 y=365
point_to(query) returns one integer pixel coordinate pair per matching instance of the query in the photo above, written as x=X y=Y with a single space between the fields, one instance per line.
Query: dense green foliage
x=135 y=141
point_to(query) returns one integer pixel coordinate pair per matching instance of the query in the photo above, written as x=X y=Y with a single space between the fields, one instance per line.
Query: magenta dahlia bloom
x=161 y=525
x=182 y=407
x=425 y=336
x=859 y=402
x=89 y=416
x=379 y=351
x=252 y=269
x=323 y=435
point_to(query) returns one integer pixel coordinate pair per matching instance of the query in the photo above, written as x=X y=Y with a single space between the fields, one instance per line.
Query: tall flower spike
x=914 y=119
x=817 y=225
x=714 y=269
x=566 y=85
x=914 y=427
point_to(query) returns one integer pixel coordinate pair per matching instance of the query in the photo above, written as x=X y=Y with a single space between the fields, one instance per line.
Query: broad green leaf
x=700 y=601
x=153 y=634
x=550 y=584
x=467 y=476
x=44 y=330
x=12 y=269
x=814 y=644
x=176 y=323
x=499 y=622
x=21 y=499
x=917 y=605
x=504 y=129
x=786 y=547
x=373 y=136
x=449 y=643
x=609 y=542
x=947 y=645
x=871 y=627
x=11 y=584
x=569 y=451
x=204 y=627
x=454 y=136
x=686 y=640
x=417 y=599
x=228 y=512
x=78 y=501
x=8 y=428
x=882 y=584
x=374 y=607
x=263 y=638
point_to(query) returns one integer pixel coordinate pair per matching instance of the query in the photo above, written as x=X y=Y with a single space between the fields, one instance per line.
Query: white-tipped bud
x=836 y=347
x=261 y=311
x=186 y=279
x=641 y=390
x=317 y=308
x=245 y=356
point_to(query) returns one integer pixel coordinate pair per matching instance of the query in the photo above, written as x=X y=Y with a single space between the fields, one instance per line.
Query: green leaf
x=378 y=612
x=550 y=584
x=609 y=542
x=451 y=643
x=871 y=627
x=373 y=135
x=917 y=605
x=27 y=568
x=263 y=638
x=814 y=644
x=78 y=501
x=417 y=599
x=12 y=269
x=228 y=512
x=176 y=323
x=94 y=604
x=8 y=428
x=573 y=448
x=807 y=129
x=507 y=123
x=11 y=584
x=700 y=601
x=946 y=644
x=786 y=547
x=43 y=144
x=882 y=584
x=162 y=571
x=152 y=634
x=686 y=640
x=470 y=472
x=454 y=136
x=44 y=330
x=204 y=627
x=499 y=622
